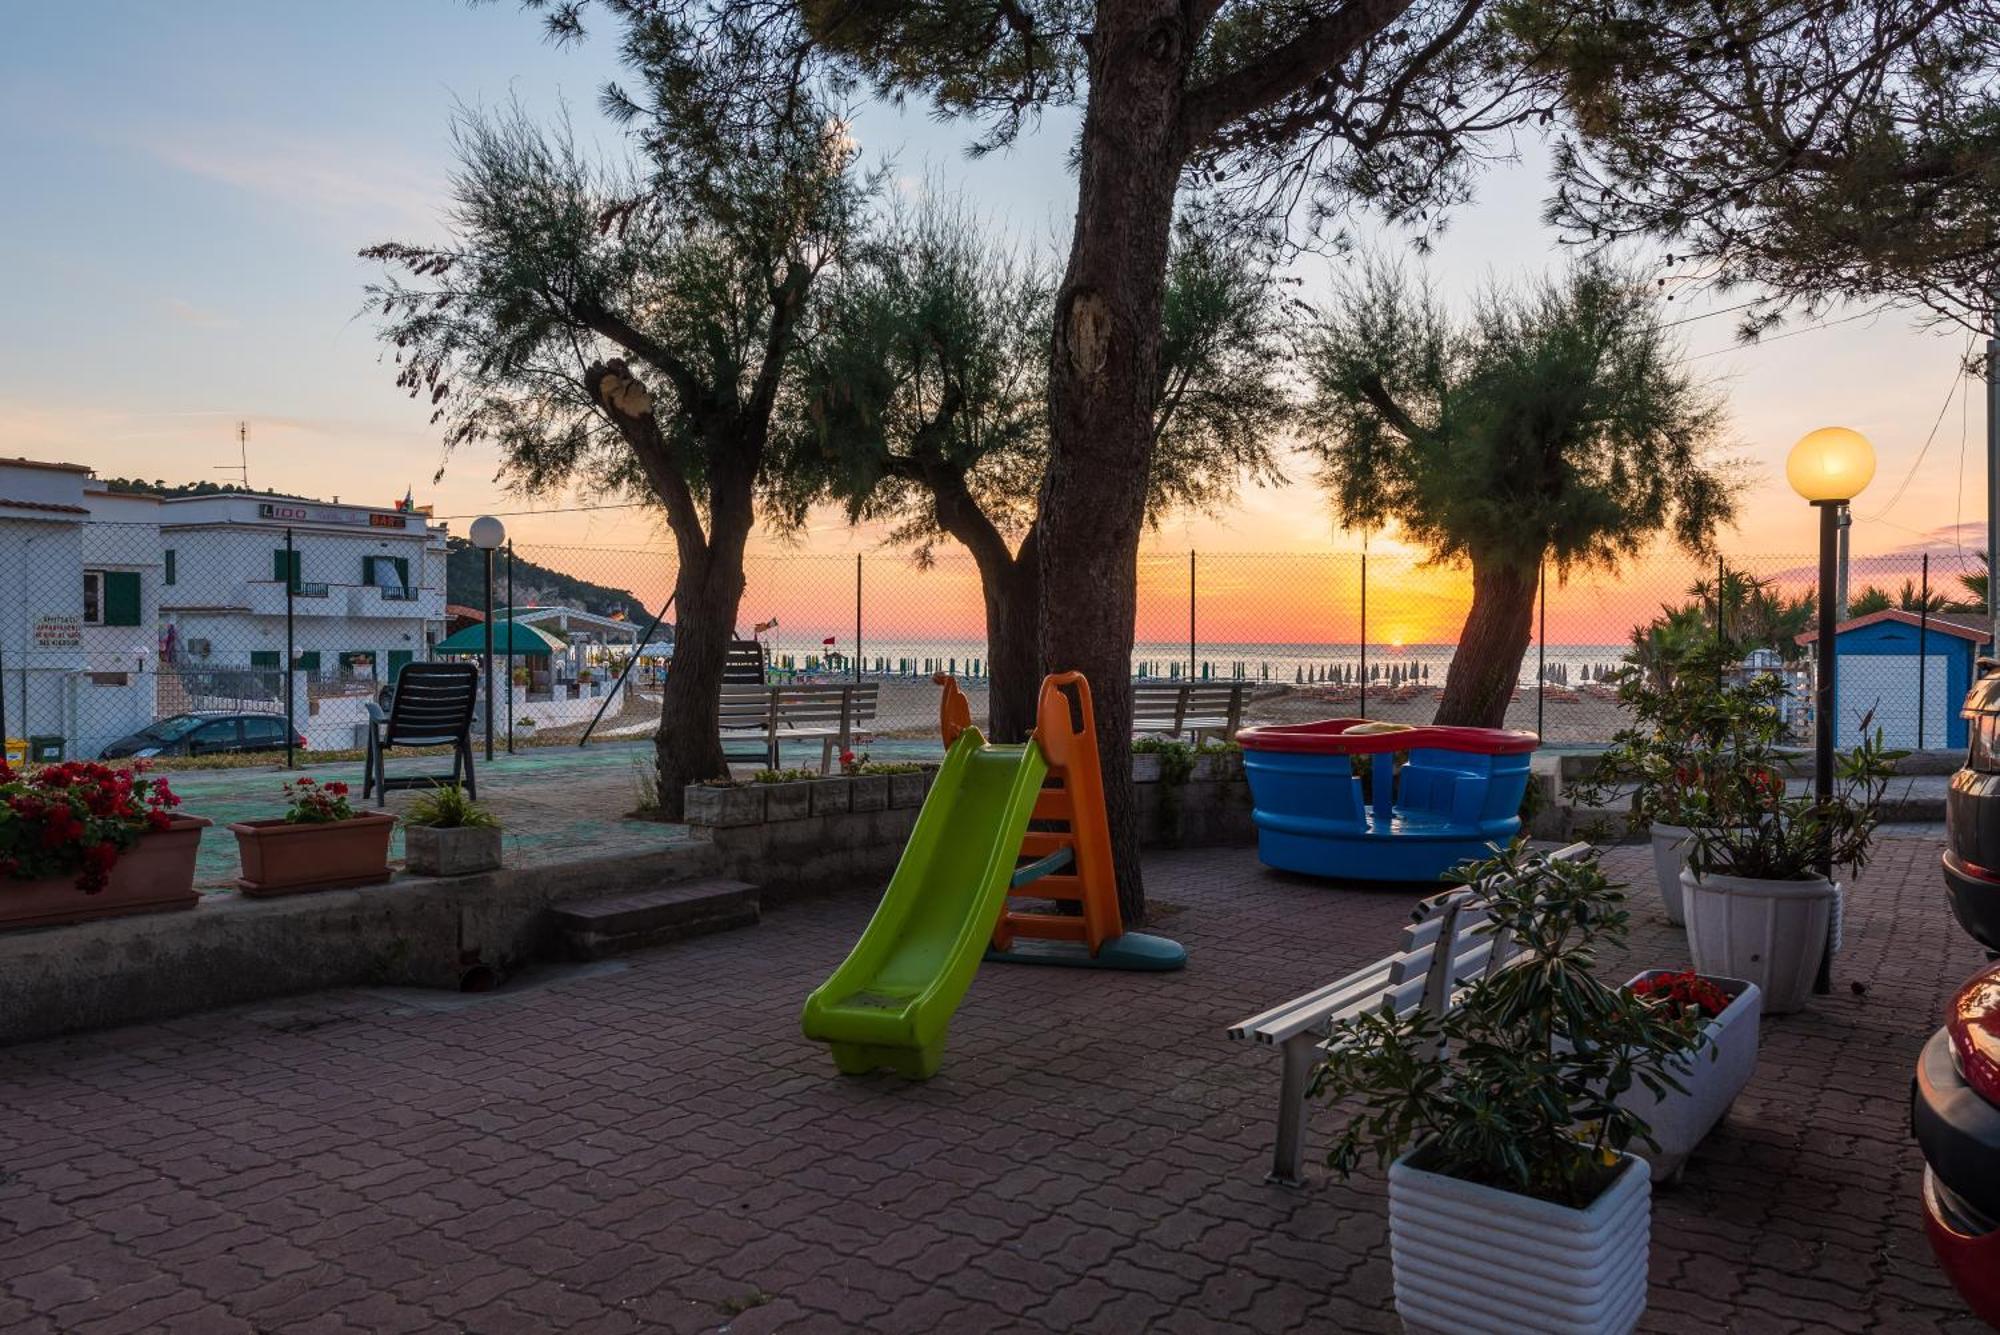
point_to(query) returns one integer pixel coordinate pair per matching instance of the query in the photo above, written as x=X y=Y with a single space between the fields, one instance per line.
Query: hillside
x=464 y=583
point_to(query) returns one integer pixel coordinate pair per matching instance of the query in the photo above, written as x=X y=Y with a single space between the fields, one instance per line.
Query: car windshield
x=171 y=729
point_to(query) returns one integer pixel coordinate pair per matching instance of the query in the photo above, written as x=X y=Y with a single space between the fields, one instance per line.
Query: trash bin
x=17 y=751
x=45 y=750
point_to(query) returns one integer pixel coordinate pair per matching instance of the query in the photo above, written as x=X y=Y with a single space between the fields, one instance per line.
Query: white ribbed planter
x=1771 y=933
x=1670 y=855
x=1469 y=1258
x=1712 y=1077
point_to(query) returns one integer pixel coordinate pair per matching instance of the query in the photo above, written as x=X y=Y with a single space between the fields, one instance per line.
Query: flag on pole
x=763 y=626
x=829 y=640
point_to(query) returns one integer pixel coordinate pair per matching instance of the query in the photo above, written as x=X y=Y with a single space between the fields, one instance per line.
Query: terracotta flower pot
x=154 y=876
x=280 y=858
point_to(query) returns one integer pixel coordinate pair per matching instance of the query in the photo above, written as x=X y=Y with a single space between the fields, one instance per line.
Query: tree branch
x=591 y=313
x=1320 y=46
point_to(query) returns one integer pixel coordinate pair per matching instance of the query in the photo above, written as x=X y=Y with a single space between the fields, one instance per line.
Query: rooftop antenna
x=242 y=465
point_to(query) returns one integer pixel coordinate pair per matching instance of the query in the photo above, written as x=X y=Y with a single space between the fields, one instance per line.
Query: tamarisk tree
x=926 y=400
x=634 y=331
x=1553 y=426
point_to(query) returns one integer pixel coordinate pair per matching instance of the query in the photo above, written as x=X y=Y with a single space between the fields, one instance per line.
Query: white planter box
x=1469 y=1258
x=1712 y=1077
x=1670 y=855
x=1771 y=933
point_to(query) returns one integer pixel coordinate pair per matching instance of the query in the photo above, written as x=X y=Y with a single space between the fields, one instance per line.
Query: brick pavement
x=657 y=1148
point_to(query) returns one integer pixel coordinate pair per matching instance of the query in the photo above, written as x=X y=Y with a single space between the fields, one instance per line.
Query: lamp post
x=487 y=534
x=1828 y=467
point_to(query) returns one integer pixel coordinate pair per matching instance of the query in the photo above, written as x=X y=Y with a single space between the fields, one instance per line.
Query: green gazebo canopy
x=509 y=637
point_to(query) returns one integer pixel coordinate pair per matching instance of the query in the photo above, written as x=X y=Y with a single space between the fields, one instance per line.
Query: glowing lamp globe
x=487 y=533
x=1831 y=464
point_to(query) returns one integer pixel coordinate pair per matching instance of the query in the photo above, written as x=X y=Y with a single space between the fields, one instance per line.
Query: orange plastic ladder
x=1070 y=812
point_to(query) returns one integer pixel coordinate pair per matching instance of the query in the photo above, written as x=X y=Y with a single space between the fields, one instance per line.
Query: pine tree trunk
x=1102 y=383
x=1012 y=650
x=1487 y=666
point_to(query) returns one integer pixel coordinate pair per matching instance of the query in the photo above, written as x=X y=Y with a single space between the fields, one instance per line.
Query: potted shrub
x=1513 y=1196
x=80 y=840
x=320 y=843
x=446 y=833
x=1762 y=904
x=1692 y=729
x=1710 y=1075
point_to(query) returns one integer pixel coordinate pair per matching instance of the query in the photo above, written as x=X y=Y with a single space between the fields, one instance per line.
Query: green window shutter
x=168 y=564
x=285 y=566
x=402 y=570
x=263 y=658
x=398 y=660
x=121 y=598
x=306 y=660
x=367 y=571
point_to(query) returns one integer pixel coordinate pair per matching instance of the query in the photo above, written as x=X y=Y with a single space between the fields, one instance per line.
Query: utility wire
x=1951 y=392
x=1789 y=333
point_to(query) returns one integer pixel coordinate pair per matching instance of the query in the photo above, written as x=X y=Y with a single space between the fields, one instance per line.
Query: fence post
x=1923 y=646
x=1190 y=614
x=857 y=616
x=1363 y=673
x=291 y=650
x=510 y=646
x=1542 y=645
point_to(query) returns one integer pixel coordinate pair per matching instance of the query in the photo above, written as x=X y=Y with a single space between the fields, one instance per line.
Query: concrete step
x=593 y=929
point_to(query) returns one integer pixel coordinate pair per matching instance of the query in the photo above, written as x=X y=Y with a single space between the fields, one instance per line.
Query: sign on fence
x=58 y=632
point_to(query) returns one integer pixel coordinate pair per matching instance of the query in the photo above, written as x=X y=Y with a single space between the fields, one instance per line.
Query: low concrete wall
x=419 y=931
x=413 y=931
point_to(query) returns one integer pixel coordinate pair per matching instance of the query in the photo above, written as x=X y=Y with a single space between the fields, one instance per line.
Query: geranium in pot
x=1762 y=903
x=320 y=843
x=1514 y=1202
x=81 y=840
x=1710 y=1074
x=446 y=833
x=1688 y=715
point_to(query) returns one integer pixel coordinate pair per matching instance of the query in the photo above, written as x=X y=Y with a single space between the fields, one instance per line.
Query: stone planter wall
x=843 y=833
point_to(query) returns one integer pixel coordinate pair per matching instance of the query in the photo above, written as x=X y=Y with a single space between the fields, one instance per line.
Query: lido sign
x=327 y=514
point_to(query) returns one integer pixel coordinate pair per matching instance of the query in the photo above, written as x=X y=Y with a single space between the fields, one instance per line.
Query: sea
x=1289 y=663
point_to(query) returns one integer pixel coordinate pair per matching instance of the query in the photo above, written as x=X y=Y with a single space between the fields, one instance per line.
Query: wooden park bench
x=1450 y=943
x=834 y=715
x=1191 y=709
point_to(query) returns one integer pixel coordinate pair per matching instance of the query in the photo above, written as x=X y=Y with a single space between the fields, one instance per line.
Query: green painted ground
x=557 y=804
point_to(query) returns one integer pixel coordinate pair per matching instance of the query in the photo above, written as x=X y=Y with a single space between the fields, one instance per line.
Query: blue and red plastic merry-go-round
x=1457 y=793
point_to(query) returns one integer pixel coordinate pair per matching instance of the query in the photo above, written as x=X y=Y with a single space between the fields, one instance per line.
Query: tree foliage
x=1554 y=423
x=1827 y=151
x=929 y=378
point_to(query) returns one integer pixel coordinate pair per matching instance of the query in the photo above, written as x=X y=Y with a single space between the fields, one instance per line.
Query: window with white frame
x=93 y=597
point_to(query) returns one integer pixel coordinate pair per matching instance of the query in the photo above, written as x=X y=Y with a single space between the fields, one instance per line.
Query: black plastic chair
x=430 y=705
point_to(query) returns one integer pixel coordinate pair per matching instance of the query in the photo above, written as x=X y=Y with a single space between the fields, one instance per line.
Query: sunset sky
x=188 y=186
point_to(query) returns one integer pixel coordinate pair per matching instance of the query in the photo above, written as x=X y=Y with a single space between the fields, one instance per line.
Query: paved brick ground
x=656 y=1147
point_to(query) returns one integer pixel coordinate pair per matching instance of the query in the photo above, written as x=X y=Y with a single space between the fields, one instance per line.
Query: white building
x=365 y=596
x=117 y=609
x=76 y=656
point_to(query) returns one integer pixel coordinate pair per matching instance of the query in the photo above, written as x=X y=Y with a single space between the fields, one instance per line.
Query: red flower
x=1684 y=990
x=337 y=789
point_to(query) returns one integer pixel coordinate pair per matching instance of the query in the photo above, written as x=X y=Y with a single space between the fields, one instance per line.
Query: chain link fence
x=192 y=640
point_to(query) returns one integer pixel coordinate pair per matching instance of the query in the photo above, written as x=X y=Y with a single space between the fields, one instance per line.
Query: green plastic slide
x=890 y=1002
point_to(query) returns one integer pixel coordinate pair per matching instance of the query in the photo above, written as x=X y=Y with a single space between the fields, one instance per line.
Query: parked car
x=205 y=734
x=1972 y=819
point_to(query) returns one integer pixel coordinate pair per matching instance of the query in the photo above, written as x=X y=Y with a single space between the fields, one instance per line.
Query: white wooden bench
x=835 y=716
x=1451 y=942
x=1192 y=709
